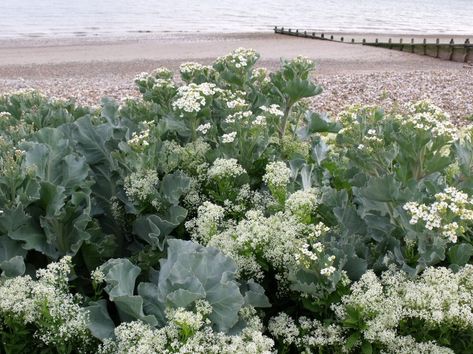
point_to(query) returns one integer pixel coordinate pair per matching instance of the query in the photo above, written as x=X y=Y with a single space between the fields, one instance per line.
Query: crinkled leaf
x=120 y=276
x=98 y=320
x=174 y=186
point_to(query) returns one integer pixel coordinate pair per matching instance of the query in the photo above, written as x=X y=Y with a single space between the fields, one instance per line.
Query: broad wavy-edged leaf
x=254 y=294
x=130 y=308
x=120 y=276
x=193 y=272
x=98 y=320
x=13 y=267
x=320 y=123
x=460 y=254
x=155 y=228
x=54 y=160
x=173 y=186
x=151 y=303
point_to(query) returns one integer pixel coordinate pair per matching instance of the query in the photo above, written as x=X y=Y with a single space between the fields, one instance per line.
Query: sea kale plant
x=217 y=213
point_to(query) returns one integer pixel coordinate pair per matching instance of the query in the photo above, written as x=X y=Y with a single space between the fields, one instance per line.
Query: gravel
x=452 y=90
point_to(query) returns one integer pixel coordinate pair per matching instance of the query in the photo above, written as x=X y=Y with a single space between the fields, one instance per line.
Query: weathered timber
x=448 y=51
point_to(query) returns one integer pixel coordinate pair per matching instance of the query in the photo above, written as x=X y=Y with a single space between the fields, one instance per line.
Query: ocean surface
x=105 y=18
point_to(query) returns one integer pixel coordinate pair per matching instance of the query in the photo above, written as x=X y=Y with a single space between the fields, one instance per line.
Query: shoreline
x=52 y=41
x=199 y=47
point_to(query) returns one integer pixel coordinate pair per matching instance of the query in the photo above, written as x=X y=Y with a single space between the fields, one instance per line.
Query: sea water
x=105 y=18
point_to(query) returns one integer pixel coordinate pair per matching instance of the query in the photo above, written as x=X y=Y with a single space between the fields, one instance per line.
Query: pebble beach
x=87 y=70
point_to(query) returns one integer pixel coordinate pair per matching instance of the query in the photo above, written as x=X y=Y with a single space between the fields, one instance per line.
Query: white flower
x=260 y=121
x=229 y=138
x=192 y=98
x=204 y=128
x=97 y=276
x=225 y=168
x=207 y=222
x=302 y=202
x=141 y=185
x=328 y=271
x=277 y=174
x=47 y=306
x=273 y=109
x=191 y=68
x=449 y=204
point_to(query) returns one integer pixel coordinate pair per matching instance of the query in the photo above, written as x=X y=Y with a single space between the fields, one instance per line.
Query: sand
x=87 y=69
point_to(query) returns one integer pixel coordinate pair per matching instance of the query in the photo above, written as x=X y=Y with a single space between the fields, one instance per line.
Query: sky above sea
x=105 y=18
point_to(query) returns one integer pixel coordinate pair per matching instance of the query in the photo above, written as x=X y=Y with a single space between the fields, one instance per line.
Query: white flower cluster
x=186 y=333
x=372 y=137
x=239 y=58
x=191 y=68
x=427 y=117
x=190 y=320
x=302 y=60
x=277 y=174
x=302 y=203
x=163 y=84
x=451 y=209
x=142 y=77
x=162 y=73
x=97 y=276
x=229 y=137
x=225 y=168
x=47 y=304
x=237 y=104
x=307 y=335
x=206 y=224
x=259 y=121
x=142 y=185
x=261 y=76
x=312 y=253
x=204 y=128
x=439 y=297
x=273 y=110
x=430 y=123
x=349 y=119
x=192 y=98
x=5 y=115
x=276 y=239
x=238 y=117
x=139 y=140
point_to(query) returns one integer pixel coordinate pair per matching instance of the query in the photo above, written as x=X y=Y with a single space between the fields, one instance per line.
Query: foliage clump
x=219 y=214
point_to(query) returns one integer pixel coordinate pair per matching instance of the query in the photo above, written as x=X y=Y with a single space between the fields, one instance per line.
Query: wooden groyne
x=460 y=52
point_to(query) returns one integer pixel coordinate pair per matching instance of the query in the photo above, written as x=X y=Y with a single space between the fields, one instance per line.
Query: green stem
x=282 y=128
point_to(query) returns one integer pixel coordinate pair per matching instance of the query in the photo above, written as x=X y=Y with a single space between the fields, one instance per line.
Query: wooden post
x=390 y=41
x=313 y=34
x=376 y=40
x=363 y=41
x=401 y=48
x=297 y=32
x=452 y=49
x=341 y=39
x=425 y=46
x=290 y=30
x=437 y=42
x=331 y=38
x=412 y=45
x=353 y=40
x=467 y=50
x=305 y=33
x=322 y=36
